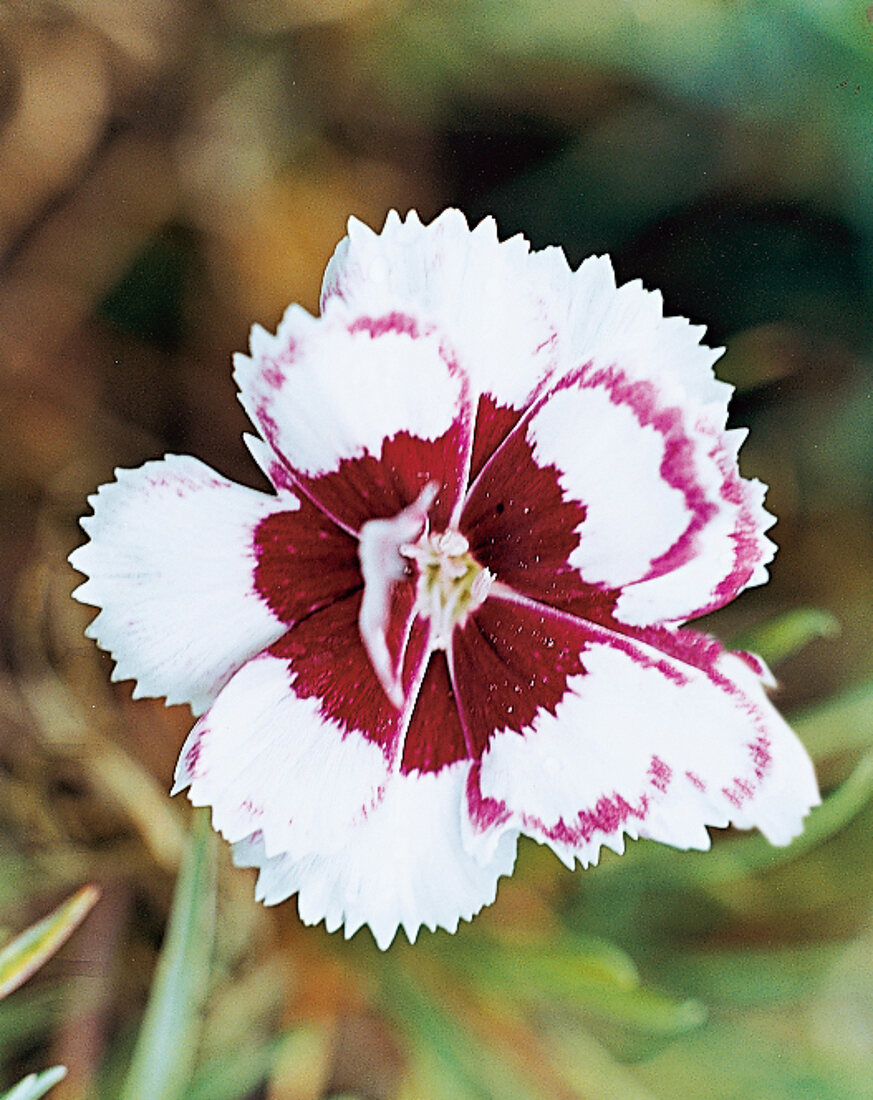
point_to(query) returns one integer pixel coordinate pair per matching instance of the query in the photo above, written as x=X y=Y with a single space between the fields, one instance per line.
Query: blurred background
x=171 y=173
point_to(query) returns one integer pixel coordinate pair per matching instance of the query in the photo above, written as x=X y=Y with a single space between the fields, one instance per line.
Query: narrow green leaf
x=748 y=977
x=164 y=1056
x=234 y=1075
x=781 y=637
x=563 y=967
x=467 y=1068
x=26 y=953
x=30 y=1014
x=643 y=1010
x=565 y=974
x=588 y=1067
x=36 y=1084
x=838 y=725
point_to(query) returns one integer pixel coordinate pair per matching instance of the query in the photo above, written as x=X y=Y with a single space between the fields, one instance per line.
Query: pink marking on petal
x=695 y=781
x=740 y=790
x=690 y=647
x=661 y=774
x=753 y=661
x=484 y=813
x=273 y=370
x=747 y=535
x=398 y=323
x=762 y=758
x=732 y=797
x=609 y=815
x=678 y=466
x=280 y=475
x=192 y=756
x=268 y=427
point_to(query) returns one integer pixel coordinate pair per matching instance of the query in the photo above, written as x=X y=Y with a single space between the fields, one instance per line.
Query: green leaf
x=588 y=976
x=449 y=1060
x=234 y=1075
x=750 y=976
x=36 y=1084
x=838 y=725
x=164 y=1057
x=786 y=634
x=26 y=953
x=562 y=966
x=588 y=1067
x=740 y=1057
x=30 y=1014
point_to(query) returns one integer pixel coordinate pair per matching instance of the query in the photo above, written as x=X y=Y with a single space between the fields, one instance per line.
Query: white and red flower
x=500 y=487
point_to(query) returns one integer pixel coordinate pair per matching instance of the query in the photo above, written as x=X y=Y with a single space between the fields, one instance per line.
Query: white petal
x=630 y=750
x=268 y=462
x=626 y=327
x=499 y=307
x=268 y=760
x=668 y=517
x=518 y=317
x=171 y=563
x=336 y=387
x=404 y=865
x=610 y=463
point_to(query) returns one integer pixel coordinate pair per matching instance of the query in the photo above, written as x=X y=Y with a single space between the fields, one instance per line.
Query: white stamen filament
x=382 y=567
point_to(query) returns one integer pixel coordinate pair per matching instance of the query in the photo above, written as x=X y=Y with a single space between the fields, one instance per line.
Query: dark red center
x=509 y=659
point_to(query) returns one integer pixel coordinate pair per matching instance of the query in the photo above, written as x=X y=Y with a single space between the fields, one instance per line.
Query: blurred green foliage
x=720 y=151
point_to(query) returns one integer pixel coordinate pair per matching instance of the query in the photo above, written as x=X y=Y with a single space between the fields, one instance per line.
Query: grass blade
x=235 y=1074
x=165 y=1052
x=36 y=1084
x=27 y=952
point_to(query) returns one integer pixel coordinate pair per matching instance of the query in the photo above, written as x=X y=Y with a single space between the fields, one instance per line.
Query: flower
x=499 y=488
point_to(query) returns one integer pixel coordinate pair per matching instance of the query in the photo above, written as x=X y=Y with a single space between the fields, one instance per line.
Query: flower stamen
x=451 y=583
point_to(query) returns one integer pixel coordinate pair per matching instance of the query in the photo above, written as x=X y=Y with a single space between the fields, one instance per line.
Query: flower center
x=451 y=583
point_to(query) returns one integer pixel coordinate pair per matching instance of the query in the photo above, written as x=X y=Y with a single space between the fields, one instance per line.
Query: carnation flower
x=499 y=488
